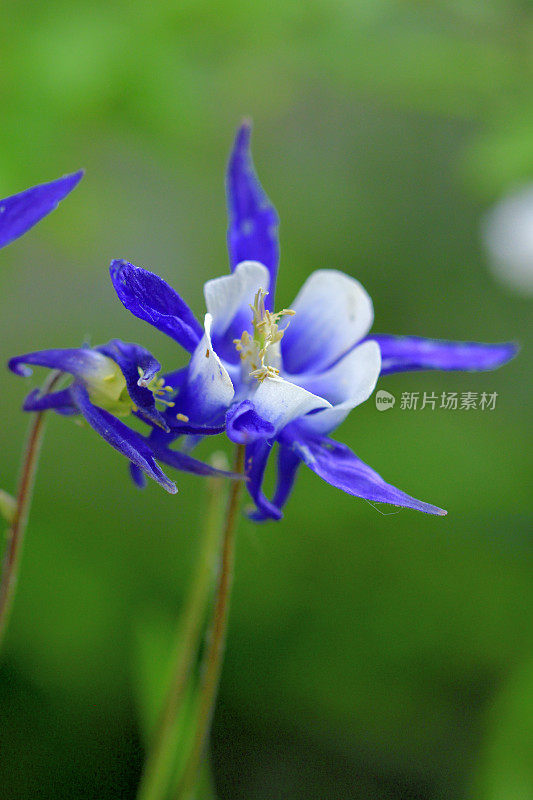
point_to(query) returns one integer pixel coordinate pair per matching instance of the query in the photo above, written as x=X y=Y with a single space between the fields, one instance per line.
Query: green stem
x=15 y=534
x=158 y=768
x=217 y=639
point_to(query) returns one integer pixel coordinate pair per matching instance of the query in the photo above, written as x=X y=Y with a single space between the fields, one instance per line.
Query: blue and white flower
x=289 y=377
x=107 y=384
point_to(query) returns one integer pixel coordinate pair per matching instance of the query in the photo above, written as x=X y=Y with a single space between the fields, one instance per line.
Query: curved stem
x=217 y=640
x=158 y=767
x=15 y=534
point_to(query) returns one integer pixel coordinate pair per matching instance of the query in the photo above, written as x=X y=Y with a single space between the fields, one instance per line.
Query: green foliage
x=505 y=769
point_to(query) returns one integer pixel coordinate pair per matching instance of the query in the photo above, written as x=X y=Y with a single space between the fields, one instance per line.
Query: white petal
x=280 y=401
x=333 y=312
x=227 y=296
x=208 y=379
x=350 y=382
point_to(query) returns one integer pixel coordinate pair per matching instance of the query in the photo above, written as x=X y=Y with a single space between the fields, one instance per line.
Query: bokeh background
x=370 y=655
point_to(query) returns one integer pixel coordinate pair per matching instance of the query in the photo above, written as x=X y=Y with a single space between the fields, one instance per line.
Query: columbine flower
x=112 y=381
x=289 y=377
x=22 y=211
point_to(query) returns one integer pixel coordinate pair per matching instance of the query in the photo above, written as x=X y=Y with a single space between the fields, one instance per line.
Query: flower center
x=107 y=387
x=260 y=352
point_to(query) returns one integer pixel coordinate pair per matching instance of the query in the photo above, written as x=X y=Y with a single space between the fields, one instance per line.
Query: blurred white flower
x=507 y=234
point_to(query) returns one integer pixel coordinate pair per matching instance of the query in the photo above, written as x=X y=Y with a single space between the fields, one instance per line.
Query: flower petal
x=226 y=297
x=177 y=379
x=255 y=460
x=128 y=442
x=228 y=300
x=279 y=402
x=81 y=362
x=253 y=221
x=409 y=353
x=336 y=464
x=22 y=211
x=244 y=425
x=178 y=427
x=333 y=312
x=58 y=401
x=137 y=475
x=186 y=463
x=346 y=385
x=151 y=299
x=288 y=463
x=209 y=389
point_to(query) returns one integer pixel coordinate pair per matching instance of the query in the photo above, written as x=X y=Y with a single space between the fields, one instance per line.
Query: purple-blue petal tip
x=253 y=221
x=413 y=353
x=20 y=212
x=15 y=365
x=244 y=133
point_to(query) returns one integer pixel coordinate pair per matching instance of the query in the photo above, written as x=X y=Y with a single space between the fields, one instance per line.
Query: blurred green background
x=369 y=655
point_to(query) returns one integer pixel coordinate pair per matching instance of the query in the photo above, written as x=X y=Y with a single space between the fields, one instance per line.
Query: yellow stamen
x=254 y=350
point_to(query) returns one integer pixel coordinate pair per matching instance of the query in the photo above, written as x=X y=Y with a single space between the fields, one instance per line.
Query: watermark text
x=447 y=401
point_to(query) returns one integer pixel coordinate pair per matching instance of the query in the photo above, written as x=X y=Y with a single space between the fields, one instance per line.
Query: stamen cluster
x=157 y=387
x=254 y=350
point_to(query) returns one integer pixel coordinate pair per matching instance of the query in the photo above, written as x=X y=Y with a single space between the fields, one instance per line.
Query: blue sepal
x=288 y=463
x=130 y=443
x=137 y=475
x=256 y=458
x=338 y=465
x=410 y=353
x=78 y=361
x=253 y=221
x=186 y=463
x=22 y=211
x=61 y=402
x=151 y=299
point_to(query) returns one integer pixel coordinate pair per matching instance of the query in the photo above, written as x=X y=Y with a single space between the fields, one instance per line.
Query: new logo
x=384 y=400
